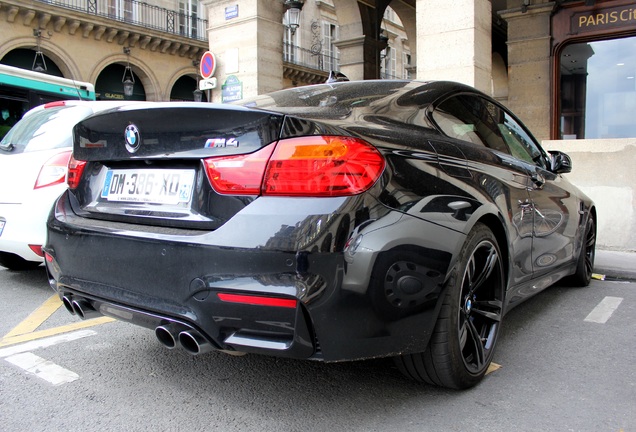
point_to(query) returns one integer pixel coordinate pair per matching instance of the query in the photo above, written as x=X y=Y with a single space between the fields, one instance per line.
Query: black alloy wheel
x=463 y=341
x=585 y=264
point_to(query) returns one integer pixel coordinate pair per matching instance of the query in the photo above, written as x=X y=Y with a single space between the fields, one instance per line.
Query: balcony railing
x=141 y=14
x=303 y=57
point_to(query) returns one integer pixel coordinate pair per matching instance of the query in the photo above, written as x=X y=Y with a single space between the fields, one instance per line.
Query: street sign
x=207 y=66
x=231 y=90
x=207 y=84
x=231 y=12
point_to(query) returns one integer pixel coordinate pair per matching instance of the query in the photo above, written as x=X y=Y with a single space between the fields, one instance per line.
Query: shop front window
x=598 y=89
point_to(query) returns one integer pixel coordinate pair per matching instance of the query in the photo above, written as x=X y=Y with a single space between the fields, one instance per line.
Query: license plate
x=156 y=186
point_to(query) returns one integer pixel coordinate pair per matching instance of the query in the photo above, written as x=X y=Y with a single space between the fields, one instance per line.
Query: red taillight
x=322 y=166
x=238 y=175
x=53 y=171
x=75 y=169
x=306 y=166
x=257 y=300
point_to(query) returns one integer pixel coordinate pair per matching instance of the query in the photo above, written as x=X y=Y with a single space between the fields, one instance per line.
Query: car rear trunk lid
x=143 y=162
x=173 y=130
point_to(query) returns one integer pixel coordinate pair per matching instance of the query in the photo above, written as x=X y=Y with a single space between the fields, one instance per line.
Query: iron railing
x=308 y=58
x=319 y=60
x=141 y=14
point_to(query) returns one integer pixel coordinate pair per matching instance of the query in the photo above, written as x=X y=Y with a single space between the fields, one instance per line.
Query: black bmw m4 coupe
x=333 y=222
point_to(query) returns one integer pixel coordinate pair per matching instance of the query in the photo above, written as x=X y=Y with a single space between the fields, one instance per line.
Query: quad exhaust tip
x=80 y=307
x=175 y=335
x=194 y=343
x=171 y=335
x=68 y=304
x=168 y=335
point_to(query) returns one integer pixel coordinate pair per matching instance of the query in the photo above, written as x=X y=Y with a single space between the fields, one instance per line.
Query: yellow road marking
x=36 y=318
x=25 y=331
x=54 y=331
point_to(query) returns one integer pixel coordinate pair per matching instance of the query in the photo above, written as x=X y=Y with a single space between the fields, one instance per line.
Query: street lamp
x=128 y=79
x=39 y=63
x=197 y=94
x=292 y=11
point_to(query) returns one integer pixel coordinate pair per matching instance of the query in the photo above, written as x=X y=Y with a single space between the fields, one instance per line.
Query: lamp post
x=128 y=79
x=39 y=63
x=197 y=94
x=292 y=11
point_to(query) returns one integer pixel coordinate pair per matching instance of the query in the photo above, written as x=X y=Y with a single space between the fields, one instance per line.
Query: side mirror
x=561 y=162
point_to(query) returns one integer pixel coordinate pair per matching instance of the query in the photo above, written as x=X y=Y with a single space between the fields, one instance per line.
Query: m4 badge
x=221 y=142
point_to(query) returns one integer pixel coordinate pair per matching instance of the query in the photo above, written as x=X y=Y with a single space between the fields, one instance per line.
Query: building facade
x=96 y=40
x=571 y=77
x=566 y=67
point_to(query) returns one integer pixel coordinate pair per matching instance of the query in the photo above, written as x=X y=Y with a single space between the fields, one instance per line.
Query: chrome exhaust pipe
x=84 y=310
x=194 y=343
x=168 y=334
x=67 y=301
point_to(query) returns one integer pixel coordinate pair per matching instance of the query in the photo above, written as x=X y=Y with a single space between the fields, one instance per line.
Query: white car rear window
x=47 y=129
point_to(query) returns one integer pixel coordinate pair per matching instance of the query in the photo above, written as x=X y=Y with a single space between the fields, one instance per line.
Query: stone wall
x=604 y=170
x=529 y=65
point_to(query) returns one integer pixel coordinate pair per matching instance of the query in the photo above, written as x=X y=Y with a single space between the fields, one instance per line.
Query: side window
x=521 y=145
x=470 y=118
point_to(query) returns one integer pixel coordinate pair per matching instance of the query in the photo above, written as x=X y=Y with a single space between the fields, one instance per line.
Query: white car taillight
x=53 y=171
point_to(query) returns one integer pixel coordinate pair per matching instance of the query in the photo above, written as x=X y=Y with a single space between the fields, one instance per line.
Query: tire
x=585 y=262
x=465 y=334
x=14 y=262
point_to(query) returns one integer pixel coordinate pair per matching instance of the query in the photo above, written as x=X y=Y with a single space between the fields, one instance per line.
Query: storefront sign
x=602 y=19
x=232 y=89
x=117 y=96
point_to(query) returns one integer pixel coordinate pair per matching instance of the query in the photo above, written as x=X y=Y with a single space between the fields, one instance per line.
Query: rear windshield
x=335 y=98
x=47 y=129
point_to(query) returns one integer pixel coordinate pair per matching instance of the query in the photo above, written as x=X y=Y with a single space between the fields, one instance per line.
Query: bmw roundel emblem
x=133 y=140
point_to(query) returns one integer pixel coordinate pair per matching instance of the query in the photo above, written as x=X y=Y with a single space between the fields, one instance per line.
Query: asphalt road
x=563 y=368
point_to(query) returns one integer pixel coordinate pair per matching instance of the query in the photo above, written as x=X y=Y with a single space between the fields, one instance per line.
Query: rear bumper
x=24 y=209
x=334 y=308
x=295 y=341
x=25 y=223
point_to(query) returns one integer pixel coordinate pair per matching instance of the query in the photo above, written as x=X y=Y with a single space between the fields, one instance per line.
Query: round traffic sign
x=207 y=66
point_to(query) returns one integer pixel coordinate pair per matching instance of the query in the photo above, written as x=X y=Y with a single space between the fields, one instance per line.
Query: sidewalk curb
x=615 y=265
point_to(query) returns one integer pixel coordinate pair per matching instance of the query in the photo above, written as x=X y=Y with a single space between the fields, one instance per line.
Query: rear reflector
x=37 y=249
x=311 y=166
x=257 y=300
